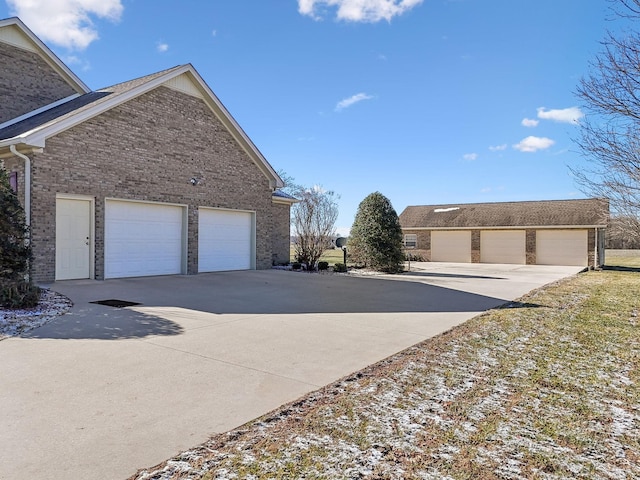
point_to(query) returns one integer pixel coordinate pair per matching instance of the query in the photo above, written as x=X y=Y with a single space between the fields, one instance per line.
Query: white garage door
x=503 y=246
x=143 y=239
x=225 y=240
x=561 y=247
x=452 y=246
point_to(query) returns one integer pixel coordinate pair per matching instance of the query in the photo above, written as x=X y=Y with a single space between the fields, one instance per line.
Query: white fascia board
x=48 y=55
x=40 y=134
x=234 y=128
x=284 y=201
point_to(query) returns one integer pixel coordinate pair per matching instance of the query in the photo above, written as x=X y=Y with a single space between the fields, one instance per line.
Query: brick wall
x=148 y=149
x=475 y=246
x=281 y=234
x=27 y=82
x=530 y=246
x=423 y=246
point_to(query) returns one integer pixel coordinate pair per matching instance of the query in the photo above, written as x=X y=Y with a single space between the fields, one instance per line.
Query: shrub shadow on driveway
x=104 y=323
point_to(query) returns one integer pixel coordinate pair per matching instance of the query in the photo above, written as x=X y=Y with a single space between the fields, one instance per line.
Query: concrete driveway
x=101 y=391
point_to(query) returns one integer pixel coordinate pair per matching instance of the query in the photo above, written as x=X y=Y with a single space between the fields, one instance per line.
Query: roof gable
x=14 y=32
x=35 y=130
x=592 y=212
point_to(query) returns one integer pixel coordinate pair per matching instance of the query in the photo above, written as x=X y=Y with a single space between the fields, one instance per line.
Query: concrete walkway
x=102 y=391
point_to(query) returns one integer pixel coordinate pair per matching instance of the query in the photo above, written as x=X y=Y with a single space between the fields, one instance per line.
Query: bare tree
x=314 y=219
x=610 y=132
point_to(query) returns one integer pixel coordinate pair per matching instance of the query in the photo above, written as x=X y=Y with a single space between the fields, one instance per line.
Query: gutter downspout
x=27 y=185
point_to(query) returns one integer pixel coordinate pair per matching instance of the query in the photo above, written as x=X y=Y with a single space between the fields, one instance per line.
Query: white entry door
x=73 y=238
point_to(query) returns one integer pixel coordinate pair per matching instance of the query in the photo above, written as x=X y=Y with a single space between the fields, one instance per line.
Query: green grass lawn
x=546 y=387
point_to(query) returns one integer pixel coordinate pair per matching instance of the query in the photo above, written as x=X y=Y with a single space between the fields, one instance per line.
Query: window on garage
x=411 y=240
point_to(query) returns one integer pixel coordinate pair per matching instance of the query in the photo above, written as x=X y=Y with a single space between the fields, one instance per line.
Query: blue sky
x=426 y=101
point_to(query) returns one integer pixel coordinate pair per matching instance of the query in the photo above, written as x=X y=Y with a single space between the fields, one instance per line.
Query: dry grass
x=547 y=387
x=623 y=258
x=332 y=255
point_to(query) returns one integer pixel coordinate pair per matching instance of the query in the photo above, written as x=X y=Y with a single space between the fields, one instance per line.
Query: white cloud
x=530 y=122
x=533 y=144
x=564 y=115
x=214 y=33
x=162 y=47
x=358 y=10
x=498 y=148
x=470 y=156
x=66 y=23
x=77 y=61
x=347 y=102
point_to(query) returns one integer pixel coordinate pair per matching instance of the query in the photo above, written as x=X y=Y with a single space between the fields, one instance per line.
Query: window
x=410 y=240
x=13 y=181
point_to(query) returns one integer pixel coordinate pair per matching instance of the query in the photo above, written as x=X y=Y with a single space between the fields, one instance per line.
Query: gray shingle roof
x=74 y=106
x=585 y=212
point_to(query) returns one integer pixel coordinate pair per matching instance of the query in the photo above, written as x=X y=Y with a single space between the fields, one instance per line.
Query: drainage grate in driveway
x=116 y=303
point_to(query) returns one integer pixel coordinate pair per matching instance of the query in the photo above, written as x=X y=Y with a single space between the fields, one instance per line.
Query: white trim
x=39 y=110
x=92 y=227
x=284 y=201
x=48 y=56
x=413 y=240
x=183 y=205
x=39 y=135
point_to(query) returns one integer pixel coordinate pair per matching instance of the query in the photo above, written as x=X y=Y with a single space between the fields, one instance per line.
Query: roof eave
x=284 y=201
x=55 y=127
x=48 y=55
x=239 y=134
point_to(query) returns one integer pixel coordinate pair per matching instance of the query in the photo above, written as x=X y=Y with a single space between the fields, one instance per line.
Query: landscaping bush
x=323 y=265
x=16 y=289
x=296 y=265
x=375 y=240
x=19 y=295
x=340 y=267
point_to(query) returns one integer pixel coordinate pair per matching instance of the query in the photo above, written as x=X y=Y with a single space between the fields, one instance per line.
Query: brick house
x=148 y=177
x=556 y=232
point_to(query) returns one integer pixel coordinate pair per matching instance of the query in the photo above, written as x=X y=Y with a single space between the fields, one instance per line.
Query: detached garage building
x=152 y=176
x=555 y=232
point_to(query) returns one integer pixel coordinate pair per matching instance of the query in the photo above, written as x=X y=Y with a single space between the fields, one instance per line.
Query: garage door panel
x=561 y=247
x=451 y=246
x=503 y=246
x=143 y=239
x=225 y=240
